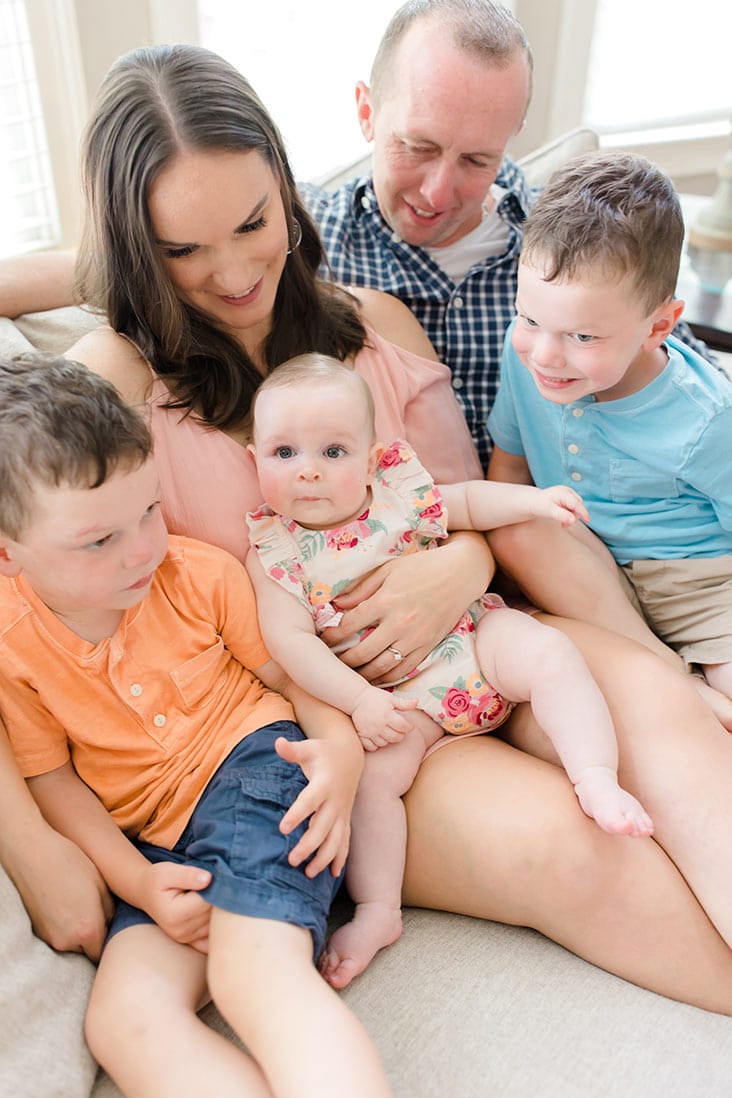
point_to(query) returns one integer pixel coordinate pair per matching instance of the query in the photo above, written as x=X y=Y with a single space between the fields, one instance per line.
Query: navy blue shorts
x=234 y=833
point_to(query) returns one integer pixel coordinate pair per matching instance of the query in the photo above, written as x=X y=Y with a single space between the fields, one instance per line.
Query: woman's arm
x=393 y=320
x=63 y=892
x=33 y=283
x=113 y=357
x=411 y=603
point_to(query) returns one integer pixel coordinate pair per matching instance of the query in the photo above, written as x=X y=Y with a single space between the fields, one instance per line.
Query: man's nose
x=438 y=184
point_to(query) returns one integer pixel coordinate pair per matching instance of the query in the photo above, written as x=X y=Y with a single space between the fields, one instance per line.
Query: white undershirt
x=488 y=238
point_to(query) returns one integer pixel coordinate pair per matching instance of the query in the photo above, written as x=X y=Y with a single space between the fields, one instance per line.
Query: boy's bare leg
x=375 y=866
x=143 y=1028
x=258 y=970
x=528 y=661
x=571 y=573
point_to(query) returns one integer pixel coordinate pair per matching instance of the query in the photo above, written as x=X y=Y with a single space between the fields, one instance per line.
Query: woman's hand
x=410 y=604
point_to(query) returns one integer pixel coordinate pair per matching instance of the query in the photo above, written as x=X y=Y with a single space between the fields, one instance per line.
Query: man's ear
x=663 y=322
x=374 y=458
x=8 y=567
x=365 y=110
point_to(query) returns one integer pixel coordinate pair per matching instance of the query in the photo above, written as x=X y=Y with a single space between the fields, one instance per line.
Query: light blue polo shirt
x=654 y=468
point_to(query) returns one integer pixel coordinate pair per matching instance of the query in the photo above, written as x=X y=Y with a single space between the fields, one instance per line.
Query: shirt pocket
x=630 y=481
x=202 y=677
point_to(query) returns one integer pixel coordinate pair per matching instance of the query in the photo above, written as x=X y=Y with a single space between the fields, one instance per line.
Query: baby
x=338 y=504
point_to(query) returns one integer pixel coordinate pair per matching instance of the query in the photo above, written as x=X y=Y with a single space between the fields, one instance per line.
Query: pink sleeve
x=415 y=400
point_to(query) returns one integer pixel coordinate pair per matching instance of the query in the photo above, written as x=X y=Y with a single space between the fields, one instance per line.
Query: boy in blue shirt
x=597 y=394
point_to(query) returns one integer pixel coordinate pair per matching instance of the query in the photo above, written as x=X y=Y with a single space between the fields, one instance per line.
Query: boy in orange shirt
x=139 y=700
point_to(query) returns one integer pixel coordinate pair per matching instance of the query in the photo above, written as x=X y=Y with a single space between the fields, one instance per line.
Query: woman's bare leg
x=499 y=835
x=143 y=1028
x=676 y=757
x=582 y=582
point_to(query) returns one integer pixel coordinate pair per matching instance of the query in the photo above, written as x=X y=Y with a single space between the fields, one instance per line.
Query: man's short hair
x=60 y=424
x=487 y=31
x=613 y=214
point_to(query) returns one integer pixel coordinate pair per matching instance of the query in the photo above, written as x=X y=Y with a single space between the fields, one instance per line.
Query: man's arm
x=33 y=283
x=64 y=894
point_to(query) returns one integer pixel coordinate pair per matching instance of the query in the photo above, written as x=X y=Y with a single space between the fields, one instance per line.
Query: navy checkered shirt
x=466 y=321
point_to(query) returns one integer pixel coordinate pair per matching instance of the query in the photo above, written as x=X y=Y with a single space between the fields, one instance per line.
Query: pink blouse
x=209 y=481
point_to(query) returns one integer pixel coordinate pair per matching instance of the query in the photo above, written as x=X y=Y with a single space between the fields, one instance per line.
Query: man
x=439 y=223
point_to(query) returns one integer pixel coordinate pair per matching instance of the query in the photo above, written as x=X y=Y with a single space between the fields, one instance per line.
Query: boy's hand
x=377 y=720
x=561 y=504
x=172 y=900
x=327 y=799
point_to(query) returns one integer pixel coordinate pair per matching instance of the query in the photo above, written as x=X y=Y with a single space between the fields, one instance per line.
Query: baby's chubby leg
x=375 y=864
x=528 y=661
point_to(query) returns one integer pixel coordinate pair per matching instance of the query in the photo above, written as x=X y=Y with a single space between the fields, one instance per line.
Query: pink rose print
x=456 y=702
x=393 y=455
x=434 y=510
x=277 y=573
x=341 y=539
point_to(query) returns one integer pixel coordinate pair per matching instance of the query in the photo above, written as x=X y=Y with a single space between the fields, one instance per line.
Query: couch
x=458 y=1008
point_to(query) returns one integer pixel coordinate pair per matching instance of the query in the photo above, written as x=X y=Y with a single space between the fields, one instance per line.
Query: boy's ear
x=663 y=322
x=252 y=451
x=8 y=567
x=374 y=458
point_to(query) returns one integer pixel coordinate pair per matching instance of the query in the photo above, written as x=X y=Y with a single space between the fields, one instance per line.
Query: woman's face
x=221 y=232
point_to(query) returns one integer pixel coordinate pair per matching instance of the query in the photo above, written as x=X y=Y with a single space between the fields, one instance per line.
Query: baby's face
x=315 y=453
x=92 y=551
x=578 y=337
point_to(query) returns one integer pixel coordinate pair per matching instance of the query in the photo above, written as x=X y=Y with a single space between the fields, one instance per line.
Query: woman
x=200 y=253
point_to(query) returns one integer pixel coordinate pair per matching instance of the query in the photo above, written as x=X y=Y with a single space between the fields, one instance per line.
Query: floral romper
x=406 y=515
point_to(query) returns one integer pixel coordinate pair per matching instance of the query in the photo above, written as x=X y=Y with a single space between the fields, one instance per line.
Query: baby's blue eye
x=334 y=451
x=284 y=452
x=582 y=337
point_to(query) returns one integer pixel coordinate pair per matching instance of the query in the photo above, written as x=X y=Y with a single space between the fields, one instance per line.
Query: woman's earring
x=296 y=236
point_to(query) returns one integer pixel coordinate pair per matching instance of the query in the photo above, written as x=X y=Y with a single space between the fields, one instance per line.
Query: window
x=303 y=60
x=658 y=64
x=30 y=215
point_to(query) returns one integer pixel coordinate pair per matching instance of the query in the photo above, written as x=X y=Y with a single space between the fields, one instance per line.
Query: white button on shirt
x=578 y=412
x=135 y=690
x=159 y=720
x=576 y=476
x=573 y=448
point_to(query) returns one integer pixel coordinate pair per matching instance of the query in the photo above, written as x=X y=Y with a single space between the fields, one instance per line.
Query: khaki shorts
x=687 y=603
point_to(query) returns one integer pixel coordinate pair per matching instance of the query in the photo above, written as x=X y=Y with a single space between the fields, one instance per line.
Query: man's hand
x=327 y=800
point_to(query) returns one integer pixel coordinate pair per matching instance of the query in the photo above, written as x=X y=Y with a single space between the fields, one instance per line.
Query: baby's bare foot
x=352 y=946
x=611 y=807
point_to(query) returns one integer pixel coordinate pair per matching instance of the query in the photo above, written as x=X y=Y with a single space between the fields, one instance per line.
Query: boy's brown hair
x=613 y=215
x=60 y=424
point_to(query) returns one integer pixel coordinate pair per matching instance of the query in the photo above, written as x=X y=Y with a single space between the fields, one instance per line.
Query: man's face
x=440 y=131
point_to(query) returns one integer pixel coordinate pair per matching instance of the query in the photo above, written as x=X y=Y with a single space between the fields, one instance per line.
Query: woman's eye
x=252 y=226
x=284 y=452
x=179 y=253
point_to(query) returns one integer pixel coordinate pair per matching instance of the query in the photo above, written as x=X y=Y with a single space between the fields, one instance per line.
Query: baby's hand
x=561 y=504
x=172 y=900
x=377 y=720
